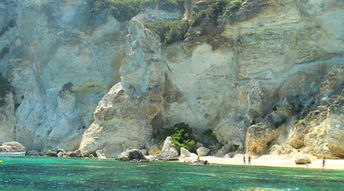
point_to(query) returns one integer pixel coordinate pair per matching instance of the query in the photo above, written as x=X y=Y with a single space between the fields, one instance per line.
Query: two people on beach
x=249 y=159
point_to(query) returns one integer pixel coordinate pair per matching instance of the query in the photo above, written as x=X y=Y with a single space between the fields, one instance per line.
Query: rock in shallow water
x=132 y=155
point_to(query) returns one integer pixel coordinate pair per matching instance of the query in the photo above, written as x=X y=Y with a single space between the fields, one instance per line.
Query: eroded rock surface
x=335 y=128
x=273 y=57
x=45 y=45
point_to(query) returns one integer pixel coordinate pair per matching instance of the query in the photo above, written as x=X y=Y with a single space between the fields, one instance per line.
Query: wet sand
x=276 y=161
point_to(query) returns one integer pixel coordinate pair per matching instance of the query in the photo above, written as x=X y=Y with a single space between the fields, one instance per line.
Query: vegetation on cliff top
x=215 y=12
x=124 y=10
x=170 y=31
x=5 y=88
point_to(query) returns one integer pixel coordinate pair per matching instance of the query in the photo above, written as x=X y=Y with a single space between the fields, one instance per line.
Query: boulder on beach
x=168 y=152
x=171 y=154
x=302 y=160
x=12 y=146
x=202 y=151
x=184 y=152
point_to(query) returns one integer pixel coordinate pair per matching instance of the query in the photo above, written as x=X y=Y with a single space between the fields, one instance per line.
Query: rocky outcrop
x=45 y=45
x=12 y=147
x=260 y=135
x=317 y=129
x=7 y=119
x=261 y=84
x=335 y=128
x=123 y=117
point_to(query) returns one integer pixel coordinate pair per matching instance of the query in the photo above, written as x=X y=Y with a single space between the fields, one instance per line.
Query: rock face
x=259 y=136
x=61 y=59
x=260 y=85
x=319 y=129
x=122 y=118
x=335 y=128
x=7 y=119
x=12 y=147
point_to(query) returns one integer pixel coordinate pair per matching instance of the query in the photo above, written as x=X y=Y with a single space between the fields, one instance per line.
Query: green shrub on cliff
x=182 y=136
x=170 y=31
x=122 y=10
x=5 y=88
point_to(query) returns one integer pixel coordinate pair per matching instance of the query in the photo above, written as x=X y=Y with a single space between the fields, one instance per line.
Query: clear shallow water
x=82 y=174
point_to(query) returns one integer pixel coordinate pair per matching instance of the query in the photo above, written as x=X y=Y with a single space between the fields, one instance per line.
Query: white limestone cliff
x=62 y=60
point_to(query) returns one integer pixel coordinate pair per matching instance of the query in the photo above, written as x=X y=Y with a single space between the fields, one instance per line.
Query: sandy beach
x=277 y=161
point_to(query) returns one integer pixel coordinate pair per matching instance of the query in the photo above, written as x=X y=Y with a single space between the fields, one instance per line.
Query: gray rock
x=223 y=150
x=184 y=152
x=202 y=151
x=168 y=152
x=132 y=155
x=167 y=144
x=75 y=154
x=51 y=153
x=171 y=154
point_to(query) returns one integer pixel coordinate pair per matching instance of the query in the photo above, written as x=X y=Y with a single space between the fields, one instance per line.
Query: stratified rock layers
x=248 y=91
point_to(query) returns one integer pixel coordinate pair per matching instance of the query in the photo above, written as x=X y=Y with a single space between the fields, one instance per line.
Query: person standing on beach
x=323 y=162
x=244 y=159
x=249 y=159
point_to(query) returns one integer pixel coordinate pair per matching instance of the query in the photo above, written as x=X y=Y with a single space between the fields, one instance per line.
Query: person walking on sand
x=244 y=159
x=323 y=163
x=249 y=160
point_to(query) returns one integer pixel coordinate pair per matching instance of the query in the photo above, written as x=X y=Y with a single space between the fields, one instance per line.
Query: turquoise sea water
x=83 y=174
